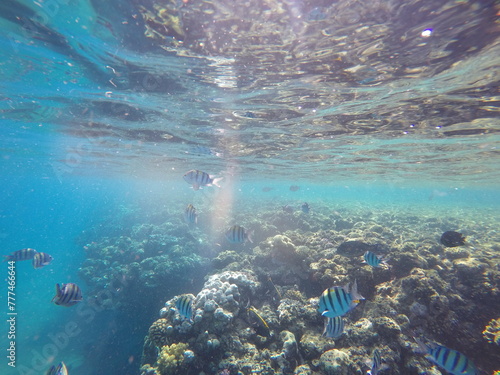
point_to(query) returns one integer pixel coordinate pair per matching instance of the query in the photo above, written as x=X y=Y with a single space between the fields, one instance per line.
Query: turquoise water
x=103 y=109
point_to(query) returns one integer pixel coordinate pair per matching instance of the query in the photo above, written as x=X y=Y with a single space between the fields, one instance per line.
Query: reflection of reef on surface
x=257 y=312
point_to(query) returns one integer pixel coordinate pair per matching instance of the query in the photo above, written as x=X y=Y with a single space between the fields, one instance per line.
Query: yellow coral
x=170 y=357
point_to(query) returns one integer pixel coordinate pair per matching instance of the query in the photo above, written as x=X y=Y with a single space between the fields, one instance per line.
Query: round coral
x=158 y=332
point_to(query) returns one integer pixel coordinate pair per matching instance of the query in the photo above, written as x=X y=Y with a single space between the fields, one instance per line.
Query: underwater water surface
x=321 y=130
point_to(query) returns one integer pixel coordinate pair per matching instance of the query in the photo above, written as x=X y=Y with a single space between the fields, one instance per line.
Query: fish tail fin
x=216 y=181
x=354 y=292
x=250 y=236
x=368 y=363
x=6 y=258
x=58 y=293
x=423 y=348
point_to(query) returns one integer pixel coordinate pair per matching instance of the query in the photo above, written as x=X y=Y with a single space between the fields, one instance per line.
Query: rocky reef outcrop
x=257 y=311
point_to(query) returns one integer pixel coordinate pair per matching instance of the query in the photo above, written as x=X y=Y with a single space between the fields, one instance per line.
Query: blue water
x=100 y=120
x=48 y=215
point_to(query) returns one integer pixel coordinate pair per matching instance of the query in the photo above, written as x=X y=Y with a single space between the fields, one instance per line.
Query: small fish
x=202 y=150
x=338 y=301
x=23 y=254
x=198 y=178
x=294 y=188
x=334 y=327
x=190 y=214
x=67 y=295
x=376 y=364
x=248 y=114
x=305 y=207
x=41 y=260
x=238 y=234
x=373 y=260
x=452 y=239
x=58 y=370
x=275 y=288
x=184 y=305
x=288 y=209
x=264 y=324
x=452 y=361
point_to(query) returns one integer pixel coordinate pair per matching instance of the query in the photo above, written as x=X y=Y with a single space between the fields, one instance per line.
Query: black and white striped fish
x=376 y=364
x=41 y=260
x=67 y=295
x=452 y=361
x=60 y=369
x=334 y=327
x=373 y=260
x=198 y=178
x=184 y=305
x=338 y=301
x=190 y=214
x=238 y=234
x=23 y=254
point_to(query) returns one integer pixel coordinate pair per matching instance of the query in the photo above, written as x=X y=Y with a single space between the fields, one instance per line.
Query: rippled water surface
x=384 y=91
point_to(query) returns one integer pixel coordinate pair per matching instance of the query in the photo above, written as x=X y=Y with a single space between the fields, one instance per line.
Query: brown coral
x=158 y=332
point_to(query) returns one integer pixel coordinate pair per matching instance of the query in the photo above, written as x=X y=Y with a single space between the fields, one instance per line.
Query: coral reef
x=158 y=332
x=492 y=331
x=427 y=289
x=337 y=362
x=257 y=309
x=171 y=358
x=143 y=256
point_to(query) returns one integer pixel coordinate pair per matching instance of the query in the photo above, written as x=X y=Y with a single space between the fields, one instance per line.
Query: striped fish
x=334 y=327
x=58 y=370
x=238 y=234
x=67 y=295
x=23 y=254
x=338 y=301
x=376 y=364
x=452 y=361
x=198 y=178
x=190 y=214
x=41 y=260
x=265 y=327
x=184 y=305
x=372 y=259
